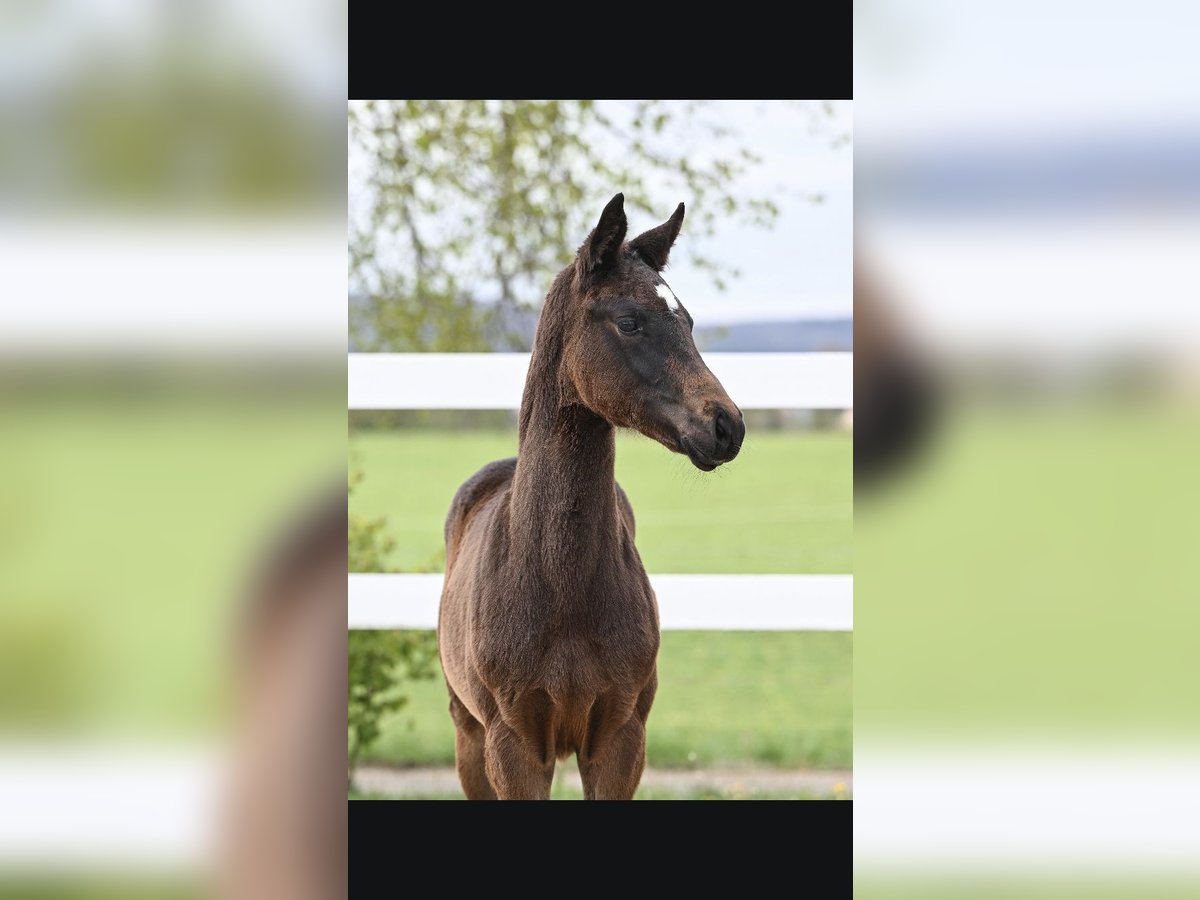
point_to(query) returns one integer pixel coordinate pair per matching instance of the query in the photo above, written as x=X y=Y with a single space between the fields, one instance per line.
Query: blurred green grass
x=101 y=885
x=785 y=505
x=1036 y=573
x=1021 y=884
x=129 y=523
x=772 y=698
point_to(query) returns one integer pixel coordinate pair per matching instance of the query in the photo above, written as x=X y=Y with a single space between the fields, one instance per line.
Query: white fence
x=710 y=602
x=496 y=380
x=692 y=602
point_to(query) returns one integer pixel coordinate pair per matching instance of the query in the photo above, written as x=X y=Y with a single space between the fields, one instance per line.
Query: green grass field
x=785 y=505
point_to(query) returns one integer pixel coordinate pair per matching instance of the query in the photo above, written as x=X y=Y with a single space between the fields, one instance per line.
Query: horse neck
x=564 y=491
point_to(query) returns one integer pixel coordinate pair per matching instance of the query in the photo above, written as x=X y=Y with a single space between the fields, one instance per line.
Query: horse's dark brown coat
x=548 y=628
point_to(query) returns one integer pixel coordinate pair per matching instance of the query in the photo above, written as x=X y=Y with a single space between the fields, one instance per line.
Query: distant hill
x=784 y=336
x=795 y=335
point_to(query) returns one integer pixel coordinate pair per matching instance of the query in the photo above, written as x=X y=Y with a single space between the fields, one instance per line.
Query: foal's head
x=628 y=352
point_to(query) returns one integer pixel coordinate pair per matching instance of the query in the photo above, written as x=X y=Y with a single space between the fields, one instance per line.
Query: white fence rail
x=703 y=602
x=496 y=380
x=685 y=602
x=107 y=806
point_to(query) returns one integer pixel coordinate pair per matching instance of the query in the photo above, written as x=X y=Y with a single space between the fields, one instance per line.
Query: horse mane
x=542 y=390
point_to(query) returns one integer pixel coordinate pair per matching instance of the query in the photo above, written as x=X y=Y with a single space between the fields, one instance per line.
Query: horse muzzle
x=716 y=441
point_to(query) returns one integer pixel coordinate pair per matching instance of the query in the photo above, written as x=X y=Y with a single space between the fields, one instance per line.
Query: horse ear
x=600 y=248
x=654 y=246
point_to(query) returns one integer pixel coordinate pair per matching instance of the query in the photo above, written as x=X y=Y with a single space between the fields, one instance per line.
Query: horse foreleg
x=468 y=752
x=519 y=750
x=614 y=774
x=514 y=768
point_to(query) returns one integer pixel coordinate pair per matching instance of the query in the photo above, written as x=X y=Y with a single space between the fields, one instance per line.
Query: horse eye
x=629 y=326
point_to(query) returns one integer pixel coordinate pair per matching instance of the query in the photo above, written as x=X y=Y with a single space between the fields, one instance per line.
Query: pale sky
x=802 y=268
x=1079 y=275
x=929 y=72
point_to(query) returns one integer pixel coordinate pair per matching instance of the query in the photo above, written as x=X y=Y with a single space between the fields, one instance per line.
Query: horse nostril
x=728 y=431
x=722 y=429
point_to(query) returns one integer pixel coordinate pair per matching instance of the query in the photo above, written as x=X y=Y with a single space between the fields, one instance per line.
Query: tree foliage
x=471 y=206
x=378 y=665
x=378 y=662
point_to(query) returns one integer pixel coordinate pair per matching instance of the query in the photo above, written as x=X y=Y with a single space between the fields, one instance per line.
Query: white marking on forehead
x=669 y=295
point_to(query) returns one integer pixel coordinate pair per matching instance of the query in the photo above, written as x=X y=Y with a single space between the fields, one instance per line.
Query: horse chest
x=570 y=635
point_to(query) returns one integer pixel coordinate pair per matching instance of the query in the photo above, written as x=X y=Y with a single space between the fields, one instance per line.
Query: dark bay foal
x=548 y=628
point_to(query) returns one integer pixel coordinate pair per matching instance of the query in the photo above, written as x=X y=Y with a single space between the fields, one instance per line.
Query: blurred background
x=1028 y=268
x=171 y=409
x=1025 y=588
x=460 y=215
